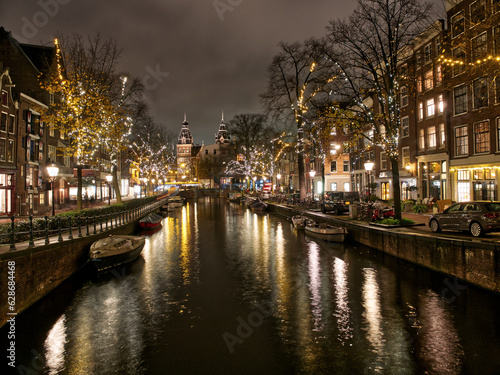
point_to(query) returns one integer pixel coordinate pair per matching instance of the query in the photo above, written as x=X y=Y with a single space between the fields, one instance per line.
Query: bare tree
x=367 y=49
x=248 y=129
x=296 y=76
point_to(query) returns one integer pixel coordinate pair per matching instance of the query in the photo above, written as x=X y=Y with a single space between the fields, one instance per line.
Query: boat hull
x=331 y=234
x=299 y=222
x=104 y=257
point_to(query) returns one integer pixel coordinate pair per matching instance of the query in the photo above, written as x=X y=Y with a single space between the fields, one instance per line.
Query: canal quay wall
x=474 y=261
x=38 y=270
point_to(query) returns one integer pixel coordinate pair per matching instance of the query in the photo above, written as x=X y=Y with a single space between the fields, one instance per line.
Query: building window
x=405 y=127
x=428 y=80
x=385 y=192
x=404 y=96
x=442 y=135
x=42 y=199
x=463 y=186
x=477 y=11
x=418 y=60
x=346 y=166
x=3 y=149
x=431 y=108
x=457 y=24
x=461 y=141
x=3 y=122
x=5 y=98
x=496 y=40
x=419 y=84
x=51 y=98
x=333 y=166
x=10 y=150
x=479 y=48
x=482 y=137
x=440 y=104
x=421 y=139
x=431 y=137
x=52 y=153
x=383 y=160
x=405 y=151
x=439 y=45
x=480 y=92
x=333 y=186
x=439 y=75
x=459 y=58
x=420 y=111
x=460 y=99
x=427 y=53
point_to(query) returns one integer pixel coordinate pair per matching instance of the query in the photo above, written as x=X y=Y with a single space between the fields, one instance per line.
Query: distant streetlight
x=368 y=167
x=109 y=178
x=312 y=174
x=53 y=171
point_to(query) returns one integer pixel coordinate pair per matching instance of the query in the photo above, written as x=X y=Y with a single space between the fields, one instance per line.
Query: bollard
x=13 y=237
x=70 y=234
x=47 y=241
x=59 y=238
x=79 y=226
x=31 y=243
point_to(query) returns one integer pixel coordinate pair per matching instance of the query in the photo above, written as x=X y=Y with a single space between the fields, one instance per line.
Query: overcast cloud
x=204 y=61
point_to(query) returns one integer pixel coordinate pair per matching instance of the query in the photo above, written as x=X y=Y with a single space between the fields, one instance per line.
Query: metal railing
x=44 y=229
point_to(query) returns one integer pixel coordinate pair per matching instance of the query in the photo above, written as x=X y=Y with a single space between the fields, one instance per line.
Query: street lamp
x=312 y=174
x=53 y=171
x=368 y=167
x=109 y=178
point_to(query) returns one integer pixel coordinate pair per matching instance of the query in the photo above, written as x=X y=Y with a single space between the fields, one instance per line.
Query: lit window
x=442 y=135
x=333 y=186
x=482 y=137
x=405 y=156
x=383 y=161
x=333 y=166
x=419 y=84
x=420 y=111
x=460 y=99
x=431 y=137
x=346 y=165
x=440 y=103
x=428 y=81
x=421 y=139
x=497 y=90
x=431 y=109
x=459 y=61
x=439 y=45
x=461 y=141
x=439 y=75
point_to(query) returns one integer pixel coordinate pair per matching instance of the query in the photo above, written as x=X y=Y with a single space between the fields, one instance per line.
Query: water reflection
x=332 y=310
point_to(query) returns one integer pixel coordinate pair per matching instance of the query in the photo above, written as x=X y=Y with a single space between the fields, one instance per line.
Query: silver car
x=477 y=218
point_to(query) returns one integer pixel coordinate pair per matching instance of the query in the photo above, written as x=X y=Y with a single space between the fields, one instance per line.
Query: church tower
x=222 y=136
x=184 y=146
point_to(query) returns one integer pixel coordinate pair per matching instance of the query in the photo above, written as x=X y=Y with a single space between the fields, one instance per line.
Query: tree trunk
x=116 y=185
x=79 y=188
x=302 y=180
x=396 y=188
x=322 y=181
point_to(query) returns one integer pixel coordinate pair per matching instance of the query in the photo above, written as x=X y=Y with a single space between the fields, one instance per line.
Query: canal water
x=223 y=290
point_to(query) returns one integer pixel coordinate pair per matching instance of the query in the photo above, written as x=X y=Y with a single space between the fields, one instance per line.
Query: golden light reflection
x=440 y=347
x=372 y=312
x=315 y=284
x=54 y=346
x=342 y=311
x=185 y=247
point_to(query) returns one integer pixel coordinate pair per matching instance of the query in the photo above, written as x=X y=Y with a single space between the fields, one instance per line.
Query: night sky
x=198 y=57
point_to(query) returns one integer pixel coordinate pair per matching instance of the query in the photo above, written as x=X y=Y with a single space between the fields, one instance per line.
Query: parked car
x=339 y=201
x=477 y=218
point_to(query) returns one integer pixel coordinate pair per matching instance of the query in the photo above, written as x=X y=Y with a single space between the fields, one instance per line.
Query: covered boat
x=115 y=250
x=151 y=221
x=176 y=201
x=326 y=231
x=299 y=222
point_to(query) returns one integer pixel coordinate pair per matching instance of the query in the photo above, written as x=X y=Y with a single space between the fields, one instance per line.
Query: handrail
x=61 y=229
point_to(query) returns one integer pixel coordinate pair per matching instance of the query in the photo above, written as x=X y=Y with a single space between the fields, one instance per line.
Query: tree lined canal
x=222 y=290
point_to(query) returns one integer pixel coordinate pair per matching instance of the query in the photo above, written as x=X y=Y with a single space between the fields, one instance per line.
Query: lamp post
x=53 y=171
x=368 y=167
x=109 y=178
x=312 y=174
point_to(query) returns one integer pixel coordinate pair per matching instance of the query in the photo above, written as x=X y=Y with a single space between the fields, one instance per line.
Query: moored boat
x=151 y=221
x=115 y=250
x=258 y=205
x=299 y=222
x=176 y=201
x=326 y=232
